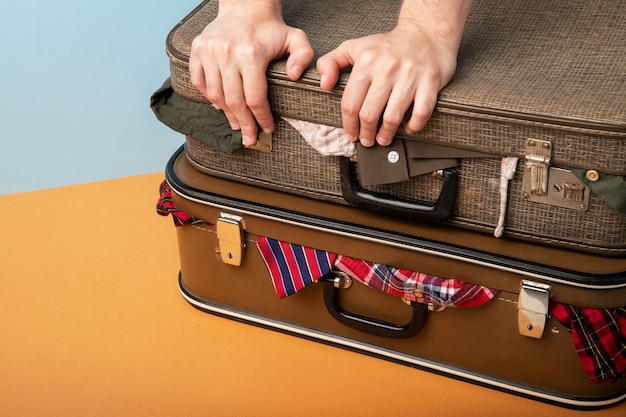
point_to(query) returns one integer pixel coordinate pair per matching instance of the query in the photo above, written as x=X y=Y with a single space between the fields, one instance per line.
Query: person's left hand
x=390 y=71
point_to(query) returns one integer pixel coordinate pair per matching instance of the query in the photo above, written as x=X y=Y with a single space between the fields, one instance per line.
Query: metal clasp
x=532 y=308
x=230 y=238
x=545 y=184
x=538 y=155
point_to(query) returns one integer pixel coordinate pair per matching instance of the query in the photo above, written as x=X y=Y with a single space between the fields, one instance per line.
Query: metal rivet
x=592 y=175
x=529 y=327
x=557 y=187
x=393 y=157
x=418 y=294
x=555 y=330
x=532 y=143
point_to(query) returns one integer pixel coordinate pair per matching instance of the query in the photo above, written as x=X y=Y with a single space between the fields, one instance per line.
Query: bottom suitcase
x=511 y=342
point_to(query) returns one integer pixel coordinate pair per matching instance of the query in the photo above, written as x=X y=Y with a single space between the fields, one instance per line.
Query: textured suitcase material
x=528 y=73
x=483 y=345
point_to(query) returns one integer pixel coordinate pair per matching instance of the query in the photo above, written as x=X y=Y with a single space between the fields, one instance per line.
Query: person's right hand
x=229 y=60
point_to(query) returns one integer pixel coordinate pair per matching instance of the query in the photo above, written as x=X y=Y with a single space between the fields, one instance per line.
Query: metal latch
x=538 y=155
x=263 y=142
x=230 y=238
x=532 y=308
x=549 y=185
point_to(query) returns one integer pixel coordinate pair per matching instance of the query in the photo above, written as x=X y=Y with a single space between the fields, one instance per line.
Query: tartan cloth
x=165 y=207
x=293 y=267
x=599 y=336
x=416 y=286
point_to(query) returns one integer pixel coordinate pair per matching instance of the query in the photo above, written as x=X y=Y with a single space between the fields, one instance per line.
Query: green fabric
x=201 y=121
x=612 y=188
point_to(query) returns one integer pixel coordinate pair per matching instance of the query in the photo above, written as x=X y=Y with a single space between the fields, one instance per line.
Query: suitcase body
x=547 y=89
x=486 y=345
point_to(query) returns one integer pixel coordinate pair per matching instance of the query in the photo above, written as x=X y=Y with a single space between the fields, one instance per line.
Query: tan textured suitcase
x=512 y=342
x=536 y=81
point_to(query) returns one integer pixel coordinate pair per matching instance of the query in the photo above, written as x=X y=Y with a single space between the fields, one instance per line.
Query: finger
x=330 y=65
x=423 y=107
x=370 y=113
x=428 y=86
x=397 y=106
x=196 y=74
x=351 y=103
x=255 y=93
x=236 y=107
x=301 y=54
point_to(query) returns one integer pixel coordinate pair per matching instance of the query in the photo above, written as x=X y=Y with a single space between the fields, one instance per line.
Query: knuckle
x=392 y=119
x=368 y=117
x=348 y=109
x=235 y=103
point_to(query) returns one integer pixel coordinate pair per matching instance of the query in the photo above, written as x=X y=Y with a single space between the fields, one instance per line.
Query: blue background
x=77 y=77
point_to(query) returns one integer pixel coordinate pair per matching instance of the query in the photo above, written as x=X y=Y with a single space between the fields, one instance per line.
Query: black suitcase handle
x=368 y=324
x=356 y=195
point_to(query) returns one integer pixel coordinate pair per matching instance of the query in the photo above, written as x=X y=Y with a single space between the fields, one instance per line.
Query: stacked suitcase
x=556 y=121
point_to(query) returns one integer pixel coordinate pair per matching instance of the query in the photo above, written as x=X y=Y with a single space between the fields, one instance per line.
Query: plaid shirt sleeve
x=599 y=336
x=416 y=286
x=165 y=207
x=293 y=267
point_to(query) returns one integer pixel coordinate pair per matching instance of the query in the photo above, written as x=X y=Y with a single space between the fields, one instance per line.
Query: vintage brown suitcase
x=512 y=343
x=539 y=82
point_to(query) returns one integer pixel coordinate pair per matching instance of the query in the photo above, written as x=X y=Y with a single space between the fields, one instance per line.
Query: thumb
x=331 y=64
x=300 y=54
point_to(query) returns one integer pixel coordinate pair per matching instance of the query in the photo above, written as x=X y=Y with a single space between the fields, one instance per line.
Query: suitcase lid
x=525 y=62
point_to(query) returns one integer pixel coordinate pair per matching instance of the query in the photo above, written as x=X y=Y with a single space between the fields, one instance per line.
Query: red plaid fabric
x=416 y=286
x=165 y=207
x=599 y=337
x=293 y=267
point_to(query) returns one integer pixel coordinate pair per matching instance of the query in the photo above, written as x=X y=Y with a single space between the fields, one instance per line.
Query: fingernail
x=247 y=140
x=297 y=70
x=382 y=141
x=366 y=142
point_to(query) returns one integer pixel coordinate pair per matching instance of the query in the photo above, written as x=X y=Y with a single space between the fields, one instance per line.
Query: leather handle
x=356 y=195
x=368 y=324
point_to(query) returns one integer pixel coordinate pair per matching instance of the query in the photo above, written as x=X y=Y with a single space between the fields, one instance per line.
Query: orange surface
x=92 y=324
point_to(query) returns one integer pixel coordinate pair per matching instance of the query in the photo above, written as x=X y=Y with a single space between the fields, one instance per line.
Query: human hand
x=229 y=60
x=390 y=72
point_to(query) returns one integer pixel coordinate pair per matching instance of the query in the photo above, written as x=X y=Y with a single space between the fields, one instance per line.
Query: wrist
x=260 y=8
x=444 y=19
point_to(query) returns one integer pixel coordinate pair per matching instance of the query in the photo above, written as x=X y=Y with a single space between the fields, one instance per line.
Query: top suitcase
x=529 y=73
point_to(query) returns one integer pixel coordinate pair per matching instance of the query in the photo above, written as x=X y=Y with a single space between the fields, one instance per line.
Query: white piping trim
x=376 y=350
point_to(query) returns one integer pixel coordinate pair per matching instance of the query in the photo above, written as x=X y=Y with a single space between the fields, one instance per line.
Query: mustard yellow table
x=92 y=324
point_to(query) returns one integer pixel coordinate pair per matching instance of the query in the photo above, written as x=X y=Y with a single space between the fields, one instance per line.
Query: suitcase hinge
x=532 y=308
x=549 y=185
x=230 y=238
